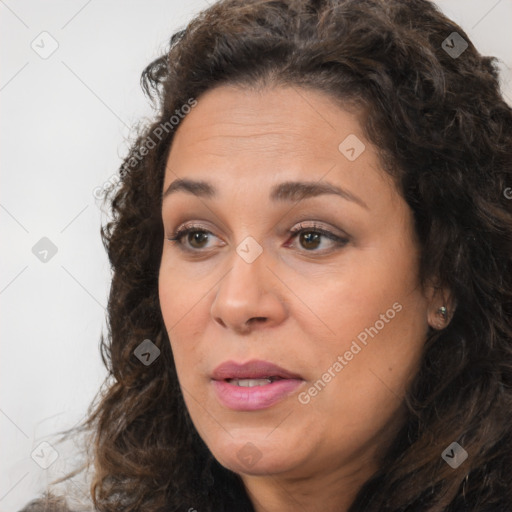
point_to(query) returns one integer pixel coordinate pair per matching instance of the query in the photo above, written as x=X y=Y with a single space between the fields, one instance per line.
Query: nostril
x=258 y=319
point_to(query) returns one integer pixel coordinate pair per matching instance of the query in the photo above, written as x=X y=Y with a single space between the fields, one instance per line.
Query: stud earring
x=443 y=312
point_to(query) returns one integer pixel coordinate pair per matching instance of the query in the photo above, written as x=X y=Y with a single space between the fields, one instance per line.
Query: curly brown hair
x=445 y=135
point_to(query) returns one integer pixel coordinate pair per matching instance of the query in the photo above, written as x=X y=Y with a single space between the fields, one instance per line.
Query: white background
x=64 y=123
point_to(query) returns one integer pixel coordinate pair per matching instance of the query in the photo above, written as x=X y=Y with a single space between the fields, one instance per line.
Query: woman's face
x=342 y=320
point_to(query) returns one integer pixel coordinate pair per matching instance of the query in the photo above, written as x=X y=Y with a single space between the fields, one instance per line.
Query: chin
x=255 y=455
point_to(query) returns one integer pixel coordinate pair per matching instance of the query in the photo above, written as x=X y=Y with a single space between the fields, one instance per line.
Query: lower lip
x=254 y=398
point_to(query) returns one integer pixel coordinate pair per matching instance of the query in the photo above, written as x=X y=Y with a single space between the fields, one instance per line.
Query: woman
x=311 y=306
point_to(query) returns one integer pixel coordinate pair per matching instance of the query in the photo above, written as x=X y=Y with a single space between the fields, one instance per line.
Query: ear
x=441 y=306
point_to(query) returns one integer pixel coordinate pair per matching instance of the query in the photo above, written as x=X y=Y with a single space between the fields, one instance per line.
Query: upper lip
x=254 y=369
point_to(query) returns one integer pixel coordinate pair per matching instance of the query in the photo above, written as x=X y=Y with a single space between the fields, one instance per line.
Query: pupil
x=196 y=236
x=308 y=237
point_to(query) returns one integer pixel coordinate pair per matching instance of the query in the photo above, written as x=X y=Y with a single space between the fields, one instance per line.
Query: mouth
x=253 y=385
x=250 y=383
x=252 y=371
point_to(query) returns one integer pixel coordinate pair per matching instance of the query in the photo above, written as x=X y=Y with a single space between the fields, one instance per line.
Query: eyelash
x=293 y=233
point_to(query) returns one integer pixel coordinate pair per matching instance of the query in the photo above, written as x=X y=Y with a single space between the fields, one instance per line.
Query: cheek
x=181 y=295
x=365 y=294
x=376 y=315
x=182 y=301
x=380 y=351
x=362 y=394
x=176 y=303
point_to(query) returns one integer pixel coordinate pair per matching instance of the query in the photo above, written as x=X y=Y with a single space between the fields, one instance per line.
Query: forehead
x=279 y=120
x=246 y=139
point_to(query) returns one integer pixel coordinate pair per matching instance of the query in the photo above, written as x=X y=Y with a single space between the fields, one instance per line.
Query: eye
x=310 y=236
x=198 y=233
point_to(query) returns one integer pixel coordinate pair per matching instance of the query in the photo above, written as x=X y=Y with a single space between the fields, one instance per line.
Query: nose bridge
x=243 y=283
x=246 y=292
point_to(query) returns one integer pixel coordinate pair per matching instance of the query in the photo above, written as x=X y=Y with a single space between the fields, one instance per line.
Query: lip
x=257 y=397
x=255 y=369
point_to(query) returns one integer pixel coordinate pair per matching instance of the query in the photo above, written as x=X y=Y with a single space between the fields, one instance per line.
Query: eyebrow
x=286 y=191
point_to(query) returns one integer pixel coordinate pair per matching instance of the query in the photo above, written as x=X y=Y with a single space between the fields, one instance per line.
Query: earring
x=443 y=312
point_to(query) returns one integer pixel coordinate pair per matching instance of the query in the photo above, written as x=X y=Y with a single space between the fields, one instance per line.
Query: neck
x=319 y=492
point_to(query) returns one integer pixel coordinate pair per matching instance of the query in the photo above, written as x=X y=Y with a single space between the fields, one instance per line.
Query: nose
x=249 y=296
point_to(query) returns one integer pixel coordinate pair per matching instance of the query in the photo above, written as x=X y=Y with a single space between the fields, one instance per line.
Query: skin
x=300 y=304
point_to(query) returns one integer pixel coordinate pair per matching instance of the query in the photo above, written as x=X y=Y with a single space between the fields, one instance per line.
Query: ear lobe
x=441 y=307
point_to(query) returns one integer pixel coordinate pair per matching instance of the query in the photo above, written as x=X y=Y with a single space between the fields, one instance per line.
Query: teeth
x=249 y=383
